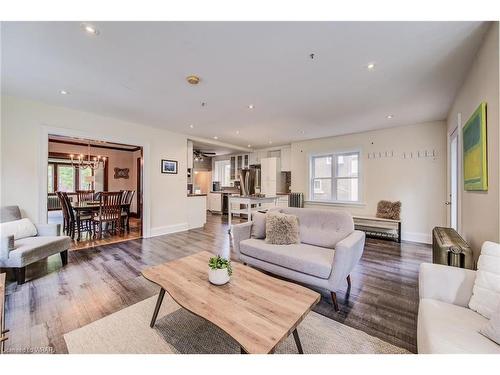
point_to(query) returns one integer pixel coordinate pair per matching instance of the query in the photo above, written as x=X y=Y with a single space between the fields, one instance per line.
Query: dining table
x=86 y=206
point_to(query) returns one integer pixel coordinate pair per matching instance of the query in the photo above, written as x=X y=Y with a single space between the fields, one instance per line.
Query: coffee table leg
x=157 y=308
x=297 y=341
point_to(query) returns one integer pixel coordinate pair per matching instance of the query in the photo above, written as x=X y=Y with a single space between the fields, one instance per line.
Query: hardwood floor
x=87 y=240
x=99 y=281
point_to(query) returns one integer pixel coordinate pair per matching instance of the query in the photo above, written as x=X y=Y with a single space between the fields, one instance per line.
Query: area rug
x=177 y=331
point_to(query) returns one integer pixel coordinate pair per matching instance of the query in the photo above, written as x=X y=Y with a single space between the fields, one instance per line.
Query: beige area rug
x=177 y=331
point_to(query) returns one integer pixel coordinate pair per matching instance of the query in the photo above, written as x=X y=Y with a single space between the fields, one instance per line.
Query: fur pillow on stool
x=282 y=229
x=389 y=210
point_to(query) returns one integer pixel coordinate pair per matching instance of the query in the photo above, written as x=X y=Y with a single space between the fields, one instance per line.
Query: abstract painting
x=475 y=151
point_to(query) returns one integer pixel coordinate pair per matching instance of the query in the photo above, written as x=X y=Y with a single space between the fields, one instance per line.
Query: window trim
x=334 y=178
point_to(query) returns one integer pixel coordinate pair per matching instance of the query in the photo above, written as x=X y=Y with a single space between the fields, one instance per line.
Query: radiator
x=53 y=203
x=296 y=200
x=450 y=249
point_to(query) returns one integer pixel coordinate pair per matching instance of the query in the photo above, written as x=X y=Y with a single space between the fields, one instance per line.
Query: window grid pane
x=65 y=178
x=335 y=177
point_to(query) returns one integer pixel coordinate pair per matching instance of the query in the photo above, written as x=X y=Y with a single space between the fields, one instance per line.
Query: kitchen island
x=196 y=210
x=252 y=204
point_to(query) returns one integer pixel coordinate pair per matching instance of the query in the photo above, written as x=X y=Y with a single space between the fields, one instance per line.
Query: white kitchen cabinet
x=215 y=202
x=237 y=163
x=286 y=155
x=270 y=176
x=190 y=154
x=282 y=201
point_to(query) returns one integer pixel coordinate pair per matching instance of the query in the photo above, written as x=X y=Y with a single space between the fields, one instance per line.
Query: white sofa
x=329 y=250
x=446 y=325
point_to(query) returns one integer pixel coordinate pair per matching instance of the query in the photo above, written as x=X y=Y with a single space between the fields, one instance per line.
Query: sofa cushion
x=258 y=225
x=486 y=292
x=304 y=258
x=322 y=228
x=9 y=213
x=282 y=229
x=21 y=228
x=31 y=249
x=492 y=329
x=444 y=328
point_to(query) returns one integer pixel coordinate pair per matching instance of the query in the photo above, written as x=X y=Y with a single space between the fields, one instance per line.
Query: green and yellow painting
x=474 y=142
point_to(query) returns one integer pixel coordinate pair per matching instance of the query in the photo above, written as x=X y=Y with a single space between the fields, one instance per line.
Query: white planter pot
x=218 y=277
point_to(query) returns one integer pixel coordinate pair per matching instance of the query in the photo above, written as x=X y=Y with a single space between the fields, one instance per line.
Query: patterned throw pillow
x=282 y=229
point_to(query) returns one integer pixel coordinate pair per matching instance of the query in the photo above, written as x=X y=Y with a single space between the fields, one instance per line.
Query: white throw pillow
x=19 y=228
x=492 y=329
x=486 y=292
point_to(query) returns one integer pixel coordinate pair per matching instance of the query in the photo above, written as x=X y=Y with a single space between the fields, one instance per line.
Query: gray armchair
x=28 y=250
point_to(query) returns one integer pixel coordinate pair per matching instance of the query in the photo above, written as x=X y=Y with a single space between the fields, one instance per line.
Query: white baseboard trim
x=417 y=237
x=168 y=229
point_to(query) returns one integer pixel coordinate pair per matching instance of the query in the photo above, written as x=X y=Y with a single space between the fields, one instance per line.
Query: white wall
x=419 y=183
x=23 y=126
x=479 y=211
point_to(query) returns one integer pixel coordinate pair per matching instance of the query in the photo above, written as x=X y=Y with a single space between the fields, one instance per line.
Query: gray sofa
x=329 y=250
x=31 y=249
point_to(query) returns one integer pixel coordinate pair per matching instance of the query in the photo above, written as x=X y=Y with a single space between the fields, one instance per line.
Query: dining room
x=94 y=190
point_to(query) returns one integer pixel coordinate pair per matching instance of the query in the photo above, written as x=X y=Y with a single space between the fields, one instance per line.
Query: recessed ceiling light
x=192 y=79
x=390 y=116
x=251 y=106
x=237 y=132
x=191 y=126
x=63 y=92
x=270 y=142
x=90 y=29
x=302 y=131
x=249 y=146
x=370 y=66
x=215 y=137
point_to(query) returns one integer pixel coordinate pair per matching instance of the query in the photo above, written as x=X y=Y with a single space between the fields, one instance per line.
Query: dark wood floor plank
x=99 y=281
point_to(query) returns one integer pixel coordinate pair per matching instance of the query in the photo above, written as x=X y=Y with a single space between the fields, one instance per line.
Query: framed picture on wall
x=169 y=166
x=475 y=152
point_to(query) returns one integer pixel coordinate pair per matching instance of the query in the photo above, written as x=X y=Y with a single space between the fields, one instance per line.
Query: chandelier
x=93 y=163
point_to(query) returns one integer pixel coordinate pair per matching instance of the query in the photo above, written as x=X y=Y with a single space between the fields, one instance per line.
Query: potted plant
x=219 y=270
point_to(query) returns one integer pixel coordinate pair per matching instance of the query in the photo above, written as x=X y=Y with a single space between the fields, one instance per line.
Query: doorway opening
x=86 y=179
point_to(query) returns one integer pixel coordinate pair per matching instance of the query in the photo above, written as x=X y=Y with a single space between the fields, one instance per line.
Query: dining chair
x=85 y=195
x=83 y=218
x=65 y=212
x=110 y=209
x=127 y=196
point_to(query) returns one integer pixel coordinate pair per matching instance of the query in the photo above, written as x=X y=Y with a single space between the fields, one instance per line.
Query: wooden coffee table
x=257 y=310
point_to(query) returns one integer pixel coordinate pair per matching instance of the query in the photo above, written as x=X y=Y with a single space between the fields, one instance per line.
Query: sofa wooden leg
x=20 y=275
x=334 y=300
x=349 y=281
x=64 y=257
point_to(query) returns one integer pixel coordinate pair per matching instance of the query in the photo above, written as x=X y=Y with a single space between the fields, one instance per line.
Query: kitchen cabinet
x=237 y=163
x=214 y=202
x=286 y=155
x=282 y=201
x=270 y=176
x=190 y=154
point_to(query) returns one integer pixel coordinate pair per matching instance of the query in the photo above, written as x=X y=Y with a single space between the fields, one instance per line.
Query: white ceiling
x=136 y=71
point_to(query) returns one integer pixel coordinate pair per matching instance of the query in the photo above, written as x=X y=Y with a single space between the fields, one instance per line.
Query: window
x=65 y=178
x=50 y=178
x=335 y=177
x=85 y=180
